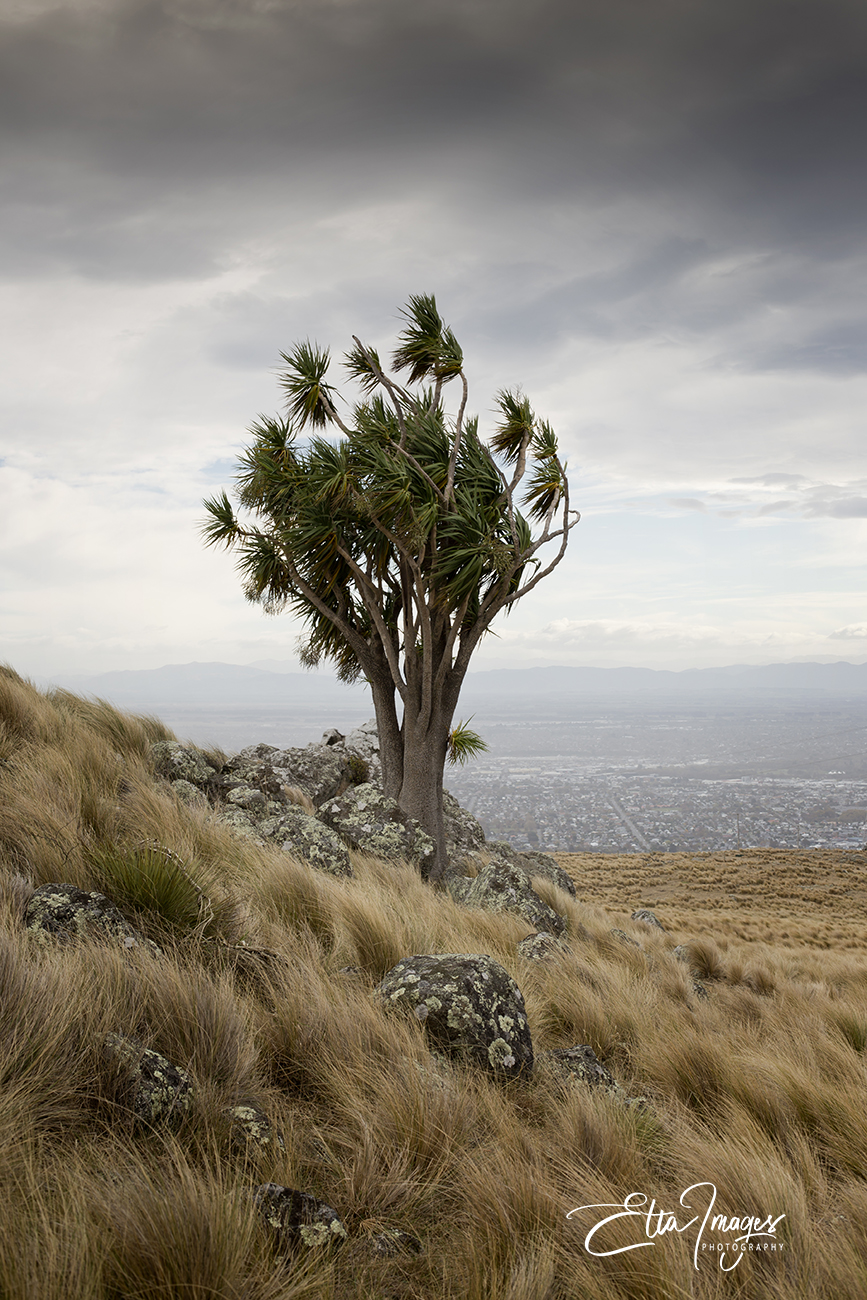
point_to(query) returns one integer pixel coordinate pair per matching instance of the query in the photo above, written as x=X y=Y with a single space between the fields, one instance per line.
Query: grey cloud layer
x=755 y=108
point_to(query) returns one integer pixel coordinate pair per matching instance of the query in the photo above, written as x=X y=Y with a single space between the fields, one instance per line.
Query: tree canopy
x=395 y=534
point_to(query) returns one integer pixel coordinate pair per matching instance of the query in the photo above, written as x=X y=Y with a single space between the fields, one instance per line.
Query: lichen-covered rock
x=542 y=864
x=308 y=838
x=470 y=1007
x=160 y=1091
x=502 y=887
x=177 y=762
x=644 y=914
x=322 y=771
x=189 y=793
x=240 y=821
x=298 y=1219
x=534 y=864
x=580 y=1065
x=250 y=1125
x=541 y=947
x=388 y=1243
x=457 y=885
x=248 y=797
x=464 y=833
x=65 y=912
x=377 y=825
x=364 y=742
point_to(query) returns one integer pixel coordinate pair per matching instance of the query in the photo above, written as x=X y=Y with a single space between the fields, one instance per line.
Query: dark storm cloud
x=147 y=139
x=760 y=103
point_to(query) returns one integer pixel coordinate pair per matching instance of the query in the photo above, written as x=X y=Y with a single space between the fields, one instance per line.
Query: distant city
x=661 y=782
x=588 y=760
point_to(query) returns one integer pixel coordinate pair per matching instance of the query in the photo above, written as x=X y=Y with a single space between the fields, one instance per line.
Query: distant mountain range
x=497 y=690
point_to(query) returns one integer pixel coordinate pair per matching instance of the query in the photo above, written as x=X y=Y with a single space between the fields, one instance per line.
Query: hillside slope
x=742 y=1026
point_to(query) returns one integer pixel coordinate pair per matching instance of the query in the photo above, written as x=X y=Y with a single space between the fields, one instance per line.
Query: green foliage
x=464 y=744
x=152 y=879
x=358 y=769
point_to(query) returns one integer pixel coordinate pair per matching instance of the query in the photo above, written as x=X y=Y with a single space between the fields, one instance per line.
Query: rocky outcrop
x=158 y=1091
x=64 y=912
x=257 y=793
x=375 y=824
x=470 y=1007
x=502 y=887
x=534 y=864
x=464 y=834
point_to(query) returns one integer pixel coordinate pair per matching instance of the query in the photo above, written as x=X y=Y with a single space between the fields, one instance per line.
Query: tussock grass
x=263 y=994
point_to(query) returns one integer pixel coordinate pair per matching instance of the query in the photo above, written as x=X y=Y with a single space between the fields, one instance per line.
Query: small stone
x=250 y=1124
x=581 y=1066
x=541 y=947
x=391 y=1242
x=644 y=914
x=160 y=1091
x=298 y=1219
x=625 y=938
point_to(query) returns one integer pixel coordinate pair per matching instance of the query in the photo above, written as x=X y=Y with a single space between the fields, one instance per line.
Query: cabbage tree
x=395 y=534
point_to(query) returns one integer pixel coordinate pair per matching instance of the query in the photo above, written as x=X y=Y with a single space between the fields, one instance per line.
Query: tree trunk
x=421 y=794
x=425 y=745
x=389 y=731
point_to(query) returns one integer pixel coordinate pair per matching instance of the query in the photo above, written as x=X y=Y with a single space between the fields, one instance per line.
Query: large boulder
x=470 y=1007
x=377 y=825
x=66 y=912
x=502 y=887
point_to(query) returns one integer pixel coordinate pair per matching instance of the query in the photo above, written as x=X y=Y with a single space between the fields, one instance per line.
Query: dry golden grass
x=759 y=1090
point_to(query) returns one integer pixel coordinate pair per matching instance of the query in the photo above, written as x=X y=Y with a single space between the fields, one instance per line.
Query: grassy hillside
x=759 y=1088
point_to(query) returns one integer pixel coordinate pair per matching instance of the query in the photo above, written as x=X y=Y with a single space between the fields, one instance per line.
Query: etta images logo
x=725 y=1237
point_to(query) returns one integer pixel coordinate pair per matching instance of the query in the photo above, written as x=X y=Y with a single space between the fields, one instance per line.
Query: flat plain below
x=790 y=898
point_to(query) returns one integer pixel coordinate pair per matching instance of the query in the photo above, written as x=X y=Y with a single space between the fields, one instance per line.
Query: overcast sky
x=648 y=213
